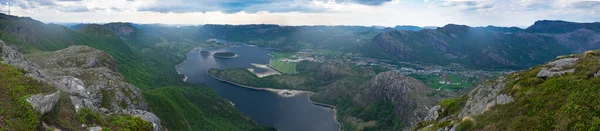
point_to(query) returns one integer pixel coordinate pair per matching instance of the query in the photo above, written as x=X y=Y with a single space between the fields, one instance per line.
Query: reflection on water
x=284 y=113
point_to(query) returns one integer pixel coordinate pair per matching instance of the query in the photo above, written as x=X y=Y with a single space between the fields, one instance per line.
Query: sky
x=521 y=13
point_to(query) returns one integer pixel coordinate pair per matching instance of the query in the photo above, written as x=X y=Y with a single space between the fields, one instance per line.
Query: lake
x=295 y=113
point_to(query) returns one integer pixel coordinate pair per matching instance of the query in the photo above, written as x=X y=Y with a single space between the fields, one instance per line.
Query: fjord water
x=284 y=113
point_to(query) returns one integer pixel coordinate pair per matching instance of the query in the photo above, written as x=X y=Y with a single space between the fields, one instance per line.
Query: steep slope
x=145 y=59
x=490 y=47
x=104 y=94
x=406 y=94
x=559 y=95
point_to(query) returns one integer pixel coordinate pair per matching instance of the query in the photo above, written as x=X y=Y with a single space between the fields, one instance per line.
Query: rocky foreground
x=90 y=81
x=559 y=95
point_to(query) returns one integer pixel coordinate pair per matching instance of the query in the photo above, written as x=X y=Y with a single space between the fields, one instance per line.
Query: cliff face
x=89 y=78
x=409 y=96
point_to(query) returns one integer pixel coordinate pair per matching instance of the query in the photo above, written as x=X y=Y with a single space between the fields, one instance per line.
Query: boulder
x=147 y=116
x=95 y=128
x=44 y=103
x=557 y=67
x=484 y=97
x=433 y=113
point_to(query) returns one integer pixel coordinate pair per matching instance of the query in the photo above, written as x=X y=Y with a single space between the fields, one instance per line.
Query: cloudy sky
x=309 y=12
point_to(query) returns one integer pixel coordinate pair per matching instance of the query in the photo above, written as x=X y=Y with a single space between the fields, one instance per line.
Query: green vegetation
x=453 y=106
x=146 y=57
x=113 y=122
x=16 y=113
x=201 y=107
x=225 y=55
x=435 y=81
x=465 y=125
x=335 y=84
x=281 y=66
x=567 y=102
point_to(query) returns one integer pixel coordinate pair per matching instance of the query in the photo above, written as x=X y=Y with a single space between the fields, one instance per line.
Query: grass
x=283 y=67
x=112 y=121
x=16 y=112
x=143 y=63
x=567 y=102
x=433 y=81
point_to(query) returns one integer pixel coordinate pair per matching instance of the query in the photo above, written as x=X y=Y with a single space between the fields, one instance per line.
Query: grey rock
x=433 y=113
x=88 y=75
x=451 y=128
x=95 y=128
x=503 y=99
x=44 y=103
x=485 y=96
x=408 y=95
x=558 y=67
x=147 y=116
x=15 y=58
x=81 y=57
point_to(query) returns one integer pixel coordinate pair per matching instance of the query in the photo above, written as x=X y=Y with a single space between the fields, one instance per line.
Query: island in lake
x=226 y=55
x=205 y=53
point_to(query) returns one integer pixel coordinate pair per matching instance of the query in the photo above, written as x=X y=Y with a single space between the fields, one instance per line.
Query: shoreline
x=281 y=92
x=268 y=73
x=225 y=57
x=310 y=93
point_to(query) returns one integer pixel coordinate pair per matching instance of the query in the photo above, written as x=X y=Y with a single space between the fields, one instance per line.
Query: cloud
x=234 y=6
x=311 y=12
x=229 y=6
x=74 y=9
x=367 y=2
x=27 y=4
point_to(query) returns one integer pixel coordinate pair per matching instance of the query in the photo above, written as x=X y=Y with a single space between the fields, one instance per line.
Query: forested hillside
x=147 y=60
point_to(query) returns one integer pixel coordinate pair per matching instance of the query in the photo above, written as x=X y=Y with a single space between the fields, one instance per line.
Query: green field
x=433 y=81
x=283 y=67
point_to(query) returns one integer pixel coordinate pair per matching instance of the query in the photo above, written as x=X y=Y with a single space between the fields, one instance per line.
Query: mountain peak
x=559 y=26
x=121 y=28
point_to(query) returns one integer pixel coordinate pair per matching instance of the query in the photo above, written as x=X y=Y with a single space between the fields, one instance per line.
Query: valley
x=295 y=78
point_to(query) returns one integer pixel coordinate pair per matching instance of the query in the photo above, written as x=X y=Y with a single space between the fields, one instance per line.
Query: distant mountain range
x=146 y=55
x=490 y=47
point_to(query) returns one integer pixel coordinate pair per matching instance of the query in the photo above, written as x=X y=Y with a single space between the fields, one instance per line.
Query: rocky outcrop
x=484 y=97
x=121 y=29
x=433 y=114
x=80 y=57
x=147 y=116
x=44 y=103
x=88 y=76
x=407 y=94
x=558 y=67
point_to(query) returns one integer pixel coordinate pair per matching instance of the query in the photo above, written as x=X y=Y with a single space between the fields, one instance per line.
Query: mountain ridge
x=557 y=95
